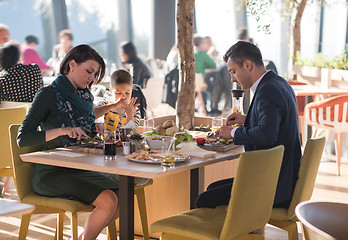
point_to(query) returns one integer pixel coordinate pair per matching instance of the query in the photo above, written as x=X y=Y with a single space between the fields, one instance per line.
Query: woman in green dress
x=61 y=114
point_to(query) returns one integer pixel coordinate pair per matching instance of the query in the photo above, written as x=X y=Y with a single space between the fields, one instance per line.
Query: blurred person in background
x=203 y=62
x=61 y=49
x=18 y=82
x=139 y=70
x=4 y=33
x=30 y=55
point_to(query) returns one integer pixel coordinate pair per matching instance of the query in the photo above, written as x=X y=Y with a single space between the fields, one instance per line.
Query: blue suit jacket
x=273 y=120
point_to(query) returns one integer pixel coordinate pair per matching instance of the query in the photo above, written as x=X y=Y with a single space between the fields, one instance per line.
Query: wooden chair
x=286 y=218
x=331 y=114
x=45 y=205
x=249 y=208
x=8 y=116
x=323 y=220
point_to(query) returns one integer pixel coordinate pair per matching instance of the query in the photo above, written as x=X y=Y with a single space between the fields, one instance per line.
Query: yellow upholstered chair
x=8 y=116
x=249 y=208
x=43 y=205
x=323 y=220
x=331 y=114
x=286 y=218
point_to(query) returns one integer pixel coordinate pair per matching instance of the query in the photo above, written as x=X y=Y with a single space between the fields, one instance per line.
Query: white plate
x=157 y=161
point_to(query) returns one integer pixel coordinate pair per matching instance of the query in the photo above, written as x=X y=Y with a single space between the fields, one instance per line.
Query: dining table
x=127 y=170
x=310 y=91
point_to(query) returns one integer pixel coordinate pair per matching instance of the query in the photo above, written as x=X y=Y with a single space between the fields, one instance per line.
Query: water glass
x=126 y=148
x=217 y=123
x=109 y=145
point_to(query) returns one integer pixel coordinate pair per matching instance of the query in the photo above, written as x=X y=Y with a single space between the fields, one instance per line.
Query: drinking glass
x=109 y=145
x=148 y=125
x=168 y=160
x=217 y=123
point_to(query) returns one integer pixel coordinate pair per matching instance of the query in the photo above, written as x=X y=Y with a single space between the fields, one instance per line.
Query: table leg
x=126 y=207
x=194 y=186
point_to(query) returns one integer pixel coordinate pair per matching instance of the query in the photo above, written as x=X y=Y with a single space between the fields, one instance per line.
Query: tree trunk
x=186 y=99
x=297 y=28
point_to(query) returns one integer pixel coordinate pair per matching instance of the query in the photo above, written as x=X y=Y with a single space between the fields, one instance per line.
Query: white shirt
x=253 y=89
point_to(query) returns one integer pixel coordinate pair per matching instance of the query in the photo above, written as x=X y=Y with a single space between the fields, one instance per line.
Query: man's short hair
x=31 y=39
x=66 y=32
x=120 y=76
x=242 y=51
x=197 y=40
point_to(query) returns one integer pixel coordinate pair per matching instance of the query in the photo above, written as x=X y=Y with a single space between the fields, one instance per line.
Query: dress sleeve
x=40 y=110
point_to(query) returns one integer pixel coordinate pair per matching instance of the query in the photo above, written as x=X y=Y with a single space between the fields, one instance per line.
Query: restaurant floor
x=328 y=187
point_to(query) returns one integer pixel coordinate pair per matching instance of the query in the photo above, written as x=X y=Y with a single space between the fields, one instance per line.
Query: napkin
x=194 y=151
x=130 y=124
x=67 y=154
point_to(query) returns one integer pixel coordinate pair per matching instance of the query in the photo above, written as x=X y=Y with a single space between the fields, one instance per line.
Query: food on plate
x=161 y=130
x=153 y=155
x=172 y=130
x=168 y=124
x=215 y=140
x=202 y=128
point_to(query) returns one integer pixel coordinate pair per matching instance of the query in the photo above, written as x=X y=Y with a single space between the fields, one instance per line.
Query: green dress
x=53 y=181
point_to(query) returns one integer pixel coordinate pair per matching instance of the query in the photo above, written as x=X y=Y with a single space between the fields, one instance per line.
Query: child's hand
x=131 y=107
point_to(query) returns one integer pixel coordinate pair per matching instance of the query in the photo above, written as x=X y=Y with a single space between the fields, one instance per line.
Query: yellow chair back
x=308 y=172
x=22 y=170
x=9 y=116
x=253 y=192
x=249 y=208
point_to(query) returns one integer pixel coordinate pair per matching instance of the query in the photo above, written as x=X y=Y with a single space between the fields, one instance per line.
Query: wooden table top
x=121 y=165
x=13 y=208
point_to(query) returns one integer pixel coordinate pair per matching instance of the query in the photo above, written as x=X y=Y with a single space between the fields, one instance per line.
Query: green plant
x=322 y=61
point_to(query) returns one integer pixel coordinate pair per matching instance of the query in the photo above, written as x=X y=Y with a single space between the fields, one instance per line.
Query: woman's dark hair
x=9 y=55
x=129 y=49
x=242 y=51
x=80 y=54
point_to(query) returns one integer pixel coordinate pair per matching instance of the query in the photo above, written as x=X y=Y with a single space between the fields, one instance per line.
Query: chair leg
x=23 y=230
x=289 y=226
x=5 y=186
x=74 y=229
x=112 y=231
x=338 y=145
x=140 y=193
x=60 y=226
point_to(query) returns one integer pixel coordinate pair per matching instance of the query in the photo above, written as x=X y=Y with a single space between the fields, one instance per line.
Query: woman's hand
x=100 y=128
x=235 y=118
x=131 y=107
x=74 y=132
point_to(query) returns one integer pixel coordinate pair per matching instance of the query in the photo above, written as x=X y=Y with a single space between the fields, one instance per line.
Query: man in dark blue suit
x=272 y=120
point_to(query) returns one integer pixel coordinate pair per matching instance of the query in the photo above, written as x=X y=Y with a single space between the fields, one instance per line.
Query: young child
x=123 y=108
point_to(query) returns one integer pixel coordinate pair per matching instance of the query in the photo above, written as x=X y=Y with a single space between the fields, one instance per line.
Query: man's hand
x=235 y=118
x=224 y=132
